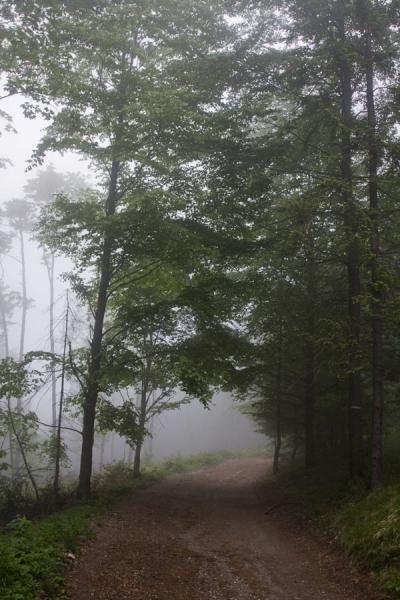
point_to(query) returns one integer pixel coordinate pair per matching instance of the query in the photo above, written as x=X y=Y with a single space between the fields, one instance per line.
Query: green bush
x=115 y=477
x=369 y=530
x=32 y=553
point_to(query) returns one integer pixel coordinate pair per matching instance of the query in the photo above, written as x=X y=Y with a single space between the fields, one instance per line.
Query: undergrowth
x=181 y=464
x=33 y=553
x=365 y=524
x=369 y=530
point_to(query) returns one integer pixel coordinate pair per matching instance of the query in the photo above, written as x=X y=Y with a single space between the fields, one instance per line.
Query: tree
x=19 y=214
x=121 y=104
x=16 y=381
x=41 y=191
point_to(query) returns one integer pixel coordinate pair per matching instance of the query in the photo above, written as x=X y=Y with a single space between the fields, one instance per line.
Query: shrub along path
x=209 y=535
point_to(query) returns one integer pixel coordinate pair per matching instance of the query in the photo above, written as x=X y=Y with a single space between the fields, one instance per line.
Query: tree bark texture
x=352 y=254
x=94 y=369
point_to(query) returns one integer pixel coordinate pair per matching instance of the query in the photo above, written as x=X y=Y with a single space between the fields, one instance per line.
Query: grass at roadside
x=33 y=554
x=182 y=464
x=369 y=530
x=365 y=524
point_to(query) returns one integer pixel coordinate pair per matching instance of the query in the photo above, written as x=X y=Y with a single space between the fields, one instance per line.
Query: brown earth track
x=206 y=536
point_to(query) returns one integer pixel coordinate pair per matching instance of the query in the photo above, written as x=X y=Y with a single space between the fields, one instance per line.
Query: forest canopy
x=240 y=232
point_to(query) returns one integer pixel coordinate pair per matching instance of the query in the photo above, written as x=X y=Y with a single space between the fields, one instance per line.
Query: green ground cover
x=33 y=553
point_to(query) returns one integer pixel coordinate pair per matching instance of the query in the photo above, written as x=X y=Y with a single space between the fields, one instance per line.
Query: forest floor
x=212 y=534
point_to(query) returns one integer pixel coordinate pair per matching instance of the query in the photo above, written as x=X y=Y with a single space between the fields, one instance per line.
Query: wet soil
x=209 y=535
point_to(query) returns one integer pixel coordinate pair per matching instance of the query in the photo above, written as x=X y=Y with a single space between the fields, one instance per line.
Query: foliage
x=33 y=552
x=49 y=448
x=122 y=419
x=369 y=530
x=13 y=378
x=244 y=232
x=365 y=524
x=114 y=477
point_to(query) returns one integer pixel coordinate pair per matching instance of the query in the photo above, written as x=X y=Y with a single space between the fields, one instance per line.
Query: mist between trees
x=237 y=229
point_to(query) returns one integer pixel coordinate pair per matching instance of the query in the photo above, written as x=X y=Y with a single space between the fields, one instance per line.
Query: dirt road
x=206 y=536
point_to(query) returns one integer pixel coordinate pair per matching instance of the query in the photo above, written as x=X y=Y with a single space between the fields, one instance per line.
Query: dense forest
x=239 y=230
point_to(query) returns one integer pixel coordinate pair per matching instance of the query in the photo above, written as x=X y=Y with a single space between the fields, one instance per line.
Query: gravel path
x=207 y=535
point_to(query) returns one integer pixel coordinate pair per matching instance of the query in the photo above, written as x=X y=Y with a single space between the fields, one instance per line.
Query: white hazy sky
x=17 y=147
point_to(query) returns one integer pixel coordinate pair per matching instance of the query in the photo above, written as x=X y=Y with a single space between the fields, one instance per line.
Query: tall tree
x=19 y=214
x=123 y=98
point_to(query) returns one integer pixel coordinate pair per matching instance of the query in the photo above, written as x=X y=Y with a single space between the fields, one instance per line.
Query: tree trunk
x=136 y=460
x=22 y=452
x=7 y=354
x=130 y=455
x=92 y=388
x=309 y=394
x=376 y=284
x=49 y=262
x=24 y=300
x=352 y=256
x=278 y=411
x=18 y=455
x=56 y=482
x=102 y=449
x=142 y=418
x=4 y=326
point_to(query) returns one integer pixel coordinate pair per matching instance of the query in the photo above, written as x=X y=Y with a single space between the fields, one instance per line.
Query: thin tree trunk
x=142 y=417
x=22 y=451
x=56 y=483
x=92 y=389
x=130 y=455
x=353 y=256
x=144 y=400
x=102 y=448
x=150 y=438
x=376 y=286
x=24 y=298
x=4 y=325
x=7 y=354
x=309 y=391
x=18 y=454
x=49 y=262
x=278 y=411
x=136 y=460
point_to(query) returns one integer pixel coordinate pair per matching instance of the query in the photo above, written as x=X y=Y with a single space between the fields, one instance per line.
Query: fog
x=17 y=147
x=190 y=429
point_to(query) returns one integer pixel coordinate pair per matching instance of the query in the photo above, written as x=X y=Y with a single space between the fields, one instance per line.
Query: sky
x=17 y=147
